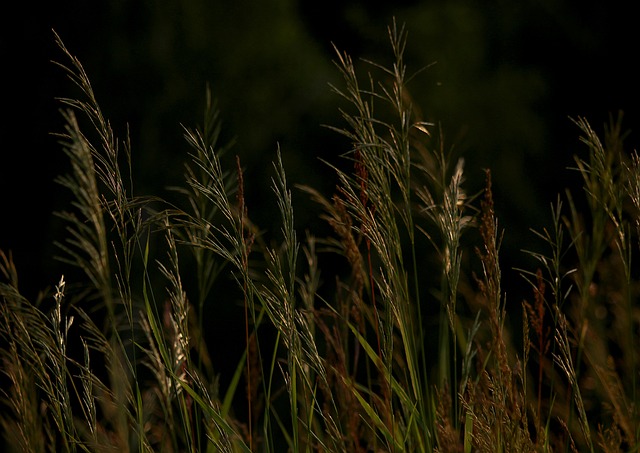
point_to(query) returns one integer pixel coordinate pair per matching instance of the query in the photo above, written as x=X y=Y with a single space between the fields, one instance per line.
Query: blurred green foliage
x=502 y=78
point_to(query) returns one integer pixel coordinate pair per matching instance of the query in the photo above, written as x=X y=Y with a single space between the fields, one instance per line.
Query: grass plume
x=403 y=342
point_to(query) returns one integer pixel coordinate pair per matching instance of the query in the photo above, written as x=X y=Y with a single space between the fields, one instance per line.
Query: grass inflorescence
x=409 y=350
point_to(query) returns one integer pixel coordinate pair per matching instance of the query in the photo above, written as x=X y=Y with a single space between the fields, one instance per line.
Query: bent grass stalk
x=120 y=360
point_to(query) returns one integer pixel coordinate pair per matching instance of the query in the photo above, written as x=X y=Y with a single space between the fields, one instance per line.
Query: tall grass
x=409 y=349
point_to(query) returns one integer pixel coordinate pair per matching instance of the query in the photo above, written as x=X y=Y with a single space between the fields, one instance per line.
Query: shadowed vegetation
x=390 y=333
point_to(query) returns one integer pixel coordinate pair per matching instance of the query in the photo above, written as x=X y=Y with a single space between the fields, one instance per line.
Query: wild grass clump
x=409 y=350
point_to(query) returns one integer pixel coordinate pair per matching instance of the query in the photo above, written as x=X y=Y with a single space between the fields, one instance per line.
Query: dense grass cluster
x=400 y=344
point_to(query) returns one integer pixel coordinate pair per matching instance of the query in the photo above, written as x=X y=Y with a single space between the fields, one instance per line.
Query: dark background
x=508 y=76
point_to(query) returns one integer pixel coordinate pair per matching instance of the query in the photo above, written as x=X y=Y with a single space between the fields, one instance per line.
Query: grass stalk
x=335 y=358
